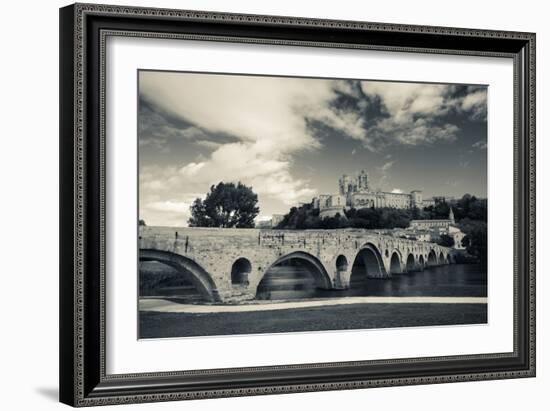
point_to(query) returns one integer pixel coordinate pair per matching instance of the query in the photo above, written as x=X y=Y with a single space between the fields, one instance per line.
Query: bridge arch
x=395 y=263
x=371 y=258
x=441 y=258
x=188 y=268
x=240 y=270
x=410 y=265
x=341 y=263
x=421 y=262
x=319 y=273
x=432 y=258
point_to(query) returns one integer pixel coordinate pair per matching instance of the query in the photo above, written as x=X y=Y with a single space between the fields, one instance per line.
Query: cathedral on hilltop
x=355 y=192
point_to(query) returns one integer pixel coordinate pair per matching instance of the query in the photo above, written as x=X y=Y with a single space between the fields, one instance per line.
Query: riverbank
x=168 y=306
x=155 y=324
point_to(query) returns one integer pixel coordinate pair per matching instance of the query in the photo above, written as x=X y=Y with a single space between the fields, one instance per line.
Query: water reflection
x=294 y=279
x=456 y=280
x=160 y=280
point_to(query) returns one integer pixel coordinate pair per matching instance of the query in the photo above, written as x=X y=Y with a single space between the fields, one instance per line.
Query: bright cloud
x=251 y=129
x=177 y=206
x=416 y=112
x=475 y=103
x=266 y=111
x=482 y=145
x=169 y=213
x=403 y=99
x=387 y=166
x=267 y=119
x=191 y=169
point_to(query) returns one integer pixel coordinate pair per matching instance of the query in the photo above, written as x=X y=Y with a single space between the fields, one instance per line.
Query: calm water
x=456 y=280
x=294 y=280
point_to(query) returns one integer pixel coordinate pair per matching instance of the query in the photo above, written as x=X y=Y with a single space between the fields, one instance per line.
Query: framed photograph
x=261 y=204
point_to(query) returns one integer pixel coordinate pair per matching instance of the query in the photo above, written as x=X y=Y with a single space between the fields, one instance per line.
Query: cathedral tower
x=451 y=215
x=363 y=182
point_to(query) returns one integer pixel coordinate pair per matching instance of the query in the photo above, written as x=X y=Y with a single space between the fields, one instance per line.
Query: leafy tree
x=226 y=205
x=471 y=217
x=337 y=221
x=199 y=215
x=416 y=214
x=475 y=239
x=471 y=207
x=141 y=222
x=468 y=208
x=438 y=211
x=395 y=218
x=446 y=241
x=306 y=217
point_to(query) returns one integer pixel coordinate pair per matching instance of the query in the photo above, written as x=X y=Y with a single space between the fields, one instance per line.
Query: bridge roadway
x=227 y=265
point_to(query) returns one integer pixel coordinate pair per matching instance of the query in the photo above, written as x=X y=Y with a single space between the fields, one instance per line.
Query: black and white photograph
x=272 y=204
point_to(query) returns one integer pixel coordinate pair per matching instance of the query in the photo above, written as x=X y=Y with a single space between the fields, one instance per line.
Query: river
x=455 y=280
x=294 y=281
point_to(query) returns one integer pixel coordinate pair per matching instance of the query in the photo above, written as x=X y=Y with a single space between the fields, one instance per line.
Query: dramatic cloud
x=417 y=113
x=156 y=128
x=252 y=129
x=266 y=120
x=269 y=112
x=475 y=103
x=404 y=99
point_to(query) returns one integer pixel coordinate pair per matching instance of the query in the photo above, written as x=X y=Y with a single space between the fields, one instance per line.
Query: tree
x=475 y=239
x=446 y=241
x=199 y=216
x=226 y=205
x=472 y=207
x=337 y=221
x=307 y=217
x=438 y=211
x=141 y=222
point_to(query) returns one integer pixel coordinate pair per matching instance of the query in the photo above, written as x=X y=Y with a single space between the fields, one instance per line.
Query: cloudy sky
x=291 y=138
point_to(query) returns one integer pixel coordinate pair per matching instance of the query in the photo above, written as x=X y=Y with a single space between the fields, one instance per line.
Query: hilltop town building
x=355 y=192
x=434 y=224
x=432 y=230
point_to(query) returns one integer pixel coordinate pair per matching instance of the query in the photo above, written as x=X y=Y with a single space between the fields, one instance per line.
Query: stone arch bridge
x=228 y=264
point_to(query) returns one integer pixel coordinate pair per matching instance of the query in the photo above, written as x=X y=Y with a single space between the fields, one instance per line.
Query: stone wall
x=216 y=251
